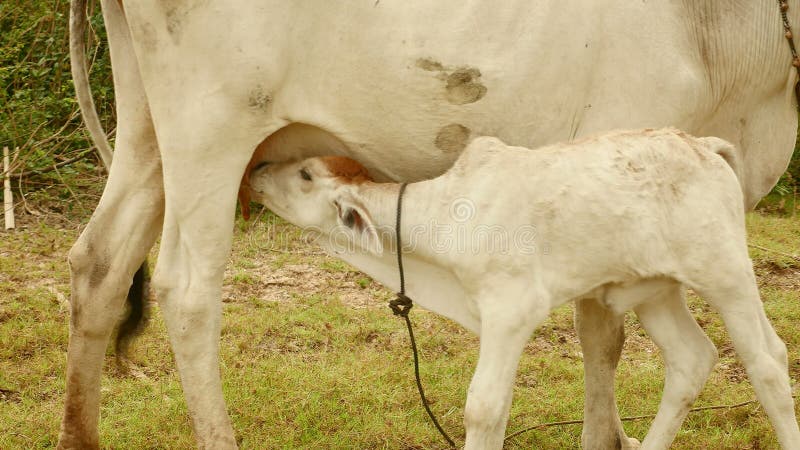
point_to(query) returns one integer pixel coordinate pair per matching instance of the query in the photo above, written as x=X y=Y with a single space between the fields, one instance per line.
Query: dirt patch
x=775 y=275
x=7 y=395
x=284 y=284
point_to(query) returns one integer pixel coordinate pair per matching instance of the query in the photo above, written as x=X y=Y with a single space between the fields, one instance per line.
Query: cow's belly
x=405 y=92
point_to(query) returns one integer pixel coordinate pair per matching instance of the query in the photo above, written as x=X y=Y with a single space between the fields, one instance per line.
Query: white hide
x=641 y=214
x=401 y=87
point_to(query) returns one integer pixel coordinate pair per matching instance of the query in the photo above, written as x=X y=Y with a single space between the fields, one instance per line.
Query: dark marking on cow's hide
x=452 y=138
x=174 y=23
x=99 y=267
x=77 y=431
x=74 y=311
x=98 y=273
x=147 y=37
x=430 y=65
x=259 y=99
x=177 y=13
x=464 y=86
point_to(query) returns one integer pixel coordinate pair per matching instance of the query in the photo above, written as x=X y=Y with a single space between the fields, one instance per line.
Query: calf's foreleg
x=504 y=333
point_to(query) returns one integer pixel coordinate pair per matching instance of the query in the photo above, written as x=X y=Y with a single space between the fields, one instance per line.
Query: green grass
x=312 y=357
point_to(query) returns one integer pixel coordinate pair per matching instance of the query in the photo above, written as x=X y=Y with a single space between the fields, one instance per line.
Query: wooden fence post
x=8 y=198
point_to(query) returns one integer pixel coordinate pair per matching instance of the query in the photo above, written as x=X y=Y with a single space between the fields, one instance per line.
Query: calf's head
x=320 y=193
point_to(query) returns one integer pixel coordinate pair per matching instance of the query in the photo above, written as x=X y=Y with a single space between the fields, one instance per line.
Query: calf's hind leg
x=735 y=295
x=689 y=357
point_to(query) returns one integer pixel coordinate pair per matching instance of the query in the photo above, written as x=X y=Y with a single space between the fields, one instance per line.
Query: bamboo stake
x=8 y=198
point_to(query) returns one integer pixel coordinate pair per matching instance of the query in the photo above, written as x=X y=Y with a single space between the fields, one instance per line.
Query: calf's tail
x=727 y=151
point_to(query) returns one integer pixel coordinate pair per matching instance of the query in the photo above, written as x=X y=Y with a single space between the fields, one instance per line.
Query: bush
x=40 y=116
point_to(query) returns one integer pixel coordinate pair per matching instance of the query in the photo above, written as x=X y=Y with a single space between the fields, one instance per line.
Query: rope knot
x=401 y=305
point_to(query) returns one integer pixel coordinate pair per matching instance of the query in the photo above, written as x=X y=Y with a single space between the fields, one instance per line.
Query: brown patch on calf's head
x=346 y=168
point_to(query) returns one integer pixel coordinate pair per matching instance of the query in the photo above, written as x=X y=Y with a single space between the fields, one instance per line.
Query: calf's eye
x=304 y=173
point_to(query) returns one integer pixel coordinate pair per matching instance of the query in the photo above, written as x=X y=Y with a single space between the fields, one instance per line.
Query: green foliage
x=39 y=113
x=790 y=181
x=783 y=198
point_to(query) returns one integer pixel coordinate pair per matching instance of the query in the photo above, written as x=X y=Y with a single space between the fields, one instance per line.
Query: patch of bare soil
x=7 y=395
x=304 y=279
x=774 y=275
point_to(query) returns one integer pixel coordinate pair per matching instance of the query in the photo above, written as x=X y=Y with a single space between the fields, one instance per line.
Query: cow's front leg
x=187 y=282
x=203 y=160
x=504 y=332
x=601 y=334
x=200 y=192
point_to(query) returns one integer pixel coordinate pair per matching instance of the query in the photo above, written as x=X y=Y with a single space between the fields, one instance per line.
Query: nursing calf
x=508 y=234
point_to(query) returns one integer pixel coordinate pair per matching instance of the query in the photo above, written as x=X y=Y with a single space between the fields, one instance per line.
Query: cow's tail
x=137 y=295
x=135 y=318
x=80 y=78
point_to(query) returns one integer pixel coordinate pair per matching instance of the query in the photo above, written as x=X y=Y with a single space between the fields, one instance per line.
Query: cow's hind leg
x=115 y=242
x=102 y=264
x=601 y=334
x=763 y=353
x=689 y=357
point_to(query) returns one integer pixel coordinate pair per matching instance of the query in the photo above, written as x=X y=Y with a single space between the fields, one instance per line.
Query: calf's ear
x=355 y=220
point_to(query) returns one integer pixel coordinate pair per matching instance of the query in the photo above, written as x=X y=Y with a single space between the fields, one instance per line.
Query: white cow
x=626 y=227
x=401 y=86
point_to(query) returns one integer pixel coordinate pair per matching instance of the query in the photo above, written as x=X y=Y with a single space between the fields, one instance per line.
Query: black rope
x=787 y=29
x=401 y=306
